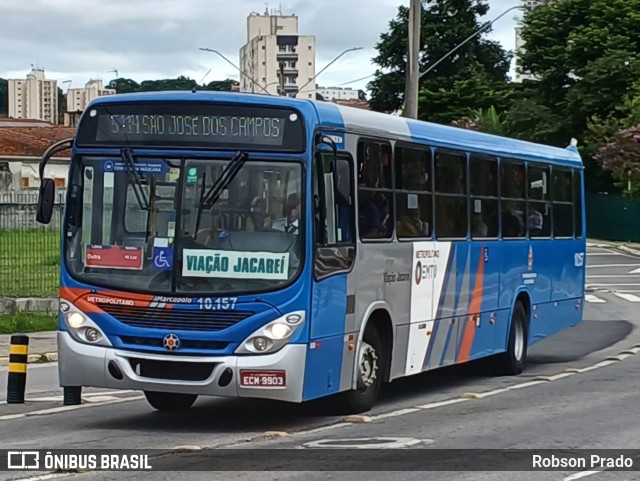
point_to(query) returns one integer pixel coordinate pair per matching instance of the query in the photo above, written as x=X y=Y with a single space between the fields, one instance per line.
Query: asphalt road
x=592 y=409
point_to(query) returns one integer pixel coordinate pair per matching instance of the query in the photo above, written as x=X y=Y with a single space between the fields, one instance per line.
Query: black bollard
x=72 y=395
x=17 y=379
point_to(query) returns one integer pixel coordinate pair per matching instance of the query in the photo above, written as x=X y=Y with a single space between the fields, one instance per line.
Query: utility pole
x=412 y=73
x=281 y=70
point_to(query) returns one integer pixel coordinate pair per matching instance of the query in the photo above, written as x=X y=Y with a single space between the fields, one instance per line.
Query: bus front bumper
x=93 y=366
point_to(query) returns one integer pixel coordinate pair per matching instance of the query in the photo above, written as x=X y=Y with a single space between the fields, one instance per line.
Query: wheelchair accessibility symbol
x=162 y=258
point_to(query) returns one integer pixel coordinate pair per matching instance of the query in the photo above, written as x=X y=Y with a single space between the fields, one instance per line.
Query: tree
x=62 y=105
x=474 y=77
x=488 y=121
x=220 y=85
x=4 y=97
x=621 y=156
x=124 y=85
x=584 y=56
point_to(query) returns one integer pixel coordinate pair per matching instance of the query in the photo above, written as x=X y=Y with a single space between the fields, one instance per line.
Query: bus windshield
x=162 y=231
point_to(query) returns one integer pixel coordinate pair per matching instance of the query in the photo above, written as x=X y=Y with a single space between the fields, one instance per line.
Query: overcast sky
x=151 y=39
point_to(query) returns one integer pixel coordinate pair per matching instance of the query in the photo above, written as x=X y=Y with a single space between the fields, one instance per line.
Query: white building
x=339 y=93
x=521 y=75
x=276 y=59
x=33 y=98
x=78 y=99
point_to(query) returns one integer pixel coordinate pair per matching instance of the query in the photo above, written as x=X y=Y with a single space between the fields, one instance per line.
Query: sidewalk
x=43 y=347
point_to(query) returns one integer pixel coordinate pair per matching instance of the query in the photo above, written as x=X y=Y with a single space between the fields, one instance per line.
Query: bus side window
x=513 y=205
x=375 y=201
x=333 y=215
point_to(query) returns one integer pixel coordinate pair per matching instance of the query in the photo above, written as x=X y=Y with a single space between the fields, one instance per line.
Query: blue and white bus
x=226 y=244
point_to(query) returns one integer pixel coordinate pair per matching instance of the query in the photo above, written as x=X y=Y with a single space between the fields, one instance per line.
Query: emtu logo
x=418 y=273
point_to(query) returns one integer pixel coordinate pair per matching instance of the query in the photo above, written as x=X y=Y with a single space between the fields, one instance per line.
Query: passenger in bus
x=411 y=224
x=289 y=223
x=535 y=224
x=258 y=218
x=511 y=224
x=478 y=227
x=369 y=218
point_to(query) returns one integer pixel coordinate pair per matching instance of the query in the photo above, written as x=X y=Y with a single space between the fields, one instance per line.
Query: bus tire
x=169 y=401
x=512 y=362
x=370 y=374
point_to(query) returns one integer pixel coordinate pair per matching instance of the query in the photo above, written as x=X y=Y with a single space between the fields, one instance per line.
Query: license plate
x=263 y=379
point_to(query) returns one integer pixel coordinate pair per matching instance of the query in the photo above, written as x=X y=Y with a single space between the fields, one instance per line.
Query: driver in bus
x=289 y=223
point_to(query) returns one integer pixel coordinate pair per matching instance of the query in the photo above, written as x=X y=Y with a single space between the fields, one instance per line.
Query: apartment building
x=33 y=98
x=276 y=59
x=339 y=93
x=79 y=98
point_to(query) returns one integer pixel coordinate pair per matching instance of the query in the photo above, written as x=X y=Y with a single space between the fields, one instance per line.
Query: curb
x=34 y=358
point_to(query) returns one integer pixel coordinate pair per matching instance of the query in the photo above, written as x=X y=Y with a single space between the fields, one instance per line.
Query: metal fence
x=613 y=217
x=29 y=252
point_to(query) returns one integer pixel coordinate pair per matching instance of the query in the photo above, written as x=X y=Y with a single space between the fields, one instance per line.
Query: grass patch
x=24 y=322
x=29 y=262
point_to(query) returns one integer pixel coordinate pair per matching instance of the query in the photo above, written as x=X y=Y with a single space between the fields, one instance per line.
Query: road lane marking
x=366 y=443
x=627 y=297
x=89 y=396
x=553 y=378
x=44 y=477
x=597 y=266
x=393 y=414
x=594 y=299
x=635 y=271
x=481 y=395
x=606 y=276
x=44 y=412
x=525 y=384
x=442 y=403
x=582 y=474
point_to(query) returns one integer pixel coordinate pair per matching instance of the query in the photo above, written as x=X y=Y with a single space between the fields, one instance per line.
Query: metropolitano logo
x=23 y=460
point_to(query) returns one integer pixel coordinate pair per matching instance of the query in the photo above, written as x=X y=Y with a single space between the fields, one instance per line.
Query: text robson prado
x=587 y=462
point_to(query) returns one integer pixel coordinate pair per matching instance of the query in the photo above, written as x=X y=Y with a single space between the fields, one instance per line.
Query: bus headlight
x=273 y=336
x=81 y=328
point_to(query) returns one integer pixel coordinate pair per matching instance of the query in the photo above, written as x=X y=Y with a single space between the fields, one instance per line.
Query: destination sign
x=192 y=125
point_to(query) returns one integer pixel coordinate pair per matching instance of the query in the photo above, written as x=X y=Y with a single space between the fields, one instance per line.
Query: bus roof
x=334 y=116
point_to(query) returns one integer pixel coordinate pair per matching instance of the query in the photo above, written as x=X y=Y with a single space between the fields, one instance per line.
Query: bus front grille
x=175 y=319
x=171 y=370
x=184 y=343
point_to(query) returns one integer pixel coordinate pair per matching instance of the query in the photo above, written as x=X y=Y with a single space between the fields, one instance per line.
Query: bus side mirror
x=46 y=199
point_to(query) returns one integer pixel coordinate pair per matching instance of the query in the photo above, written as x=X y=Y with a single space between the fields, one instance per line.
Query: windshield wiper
x=222 y=182
x=134 y=178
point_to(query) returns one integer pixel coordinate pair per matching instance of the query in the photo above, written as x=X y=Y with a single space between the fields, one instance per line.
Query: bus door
x=329 y=364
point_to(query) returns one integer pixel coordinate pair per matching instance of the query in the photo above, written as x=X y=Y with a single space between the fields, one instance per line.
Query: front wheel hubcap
x=368 y=366
x=518 y=347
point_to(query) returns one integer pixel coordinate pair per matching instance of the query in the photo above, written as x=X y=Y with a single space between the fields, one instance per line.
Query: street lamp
x=327 y=66
x=242 y=72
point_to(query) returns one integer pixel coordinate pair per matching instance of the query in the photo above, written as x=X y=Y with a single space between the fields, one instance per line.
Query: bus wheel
x=512 y=362
x=169 y=401
x=369 y=374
